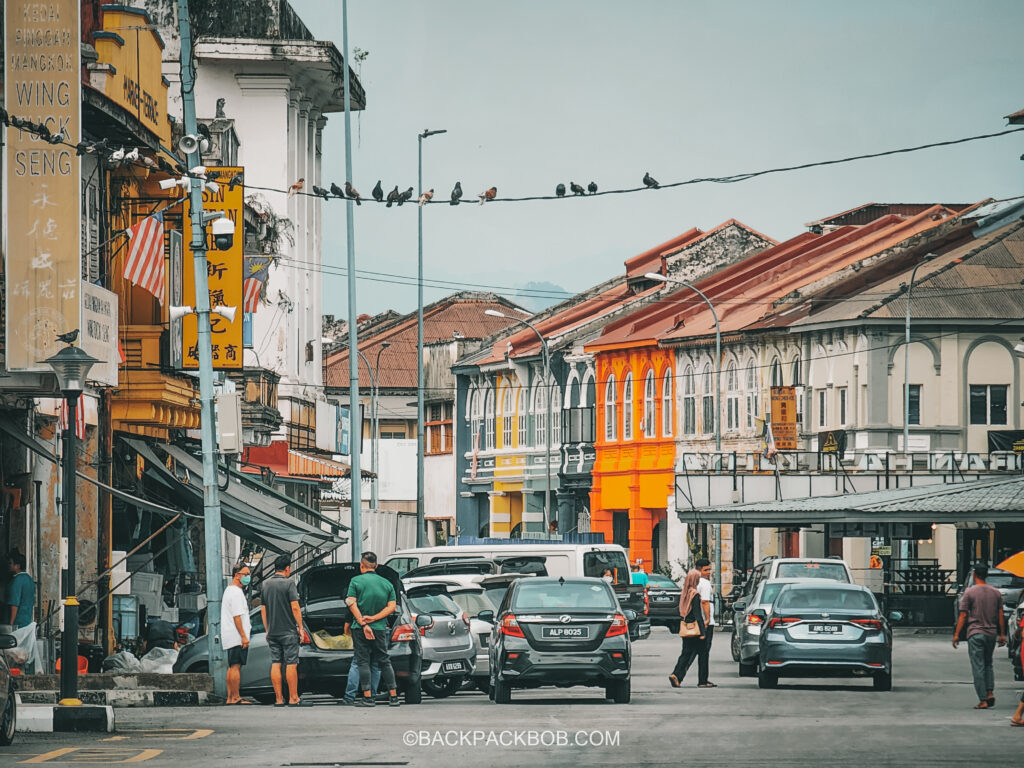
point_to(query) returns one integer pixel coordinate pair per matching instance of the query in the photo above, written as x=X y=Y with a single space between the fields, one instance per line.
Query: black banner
x=1006 y=440
x=833 y=441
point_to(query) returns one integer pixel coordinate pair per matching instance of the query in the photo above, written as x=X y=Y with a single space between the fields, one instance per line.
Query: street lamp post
x=374 y=422
x=718 y=397
x=906 y=358
x=71 y=365
x=547 y=424
x=420 y=521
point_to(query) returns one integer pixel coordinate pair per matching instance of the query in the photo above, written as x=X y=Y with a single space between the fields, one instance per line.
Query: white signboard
x=99 y=332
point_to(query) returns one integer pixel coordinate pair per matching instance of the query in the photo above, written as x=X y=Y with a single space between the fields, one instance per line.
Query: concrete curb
x=127 y=698
x=57 y=719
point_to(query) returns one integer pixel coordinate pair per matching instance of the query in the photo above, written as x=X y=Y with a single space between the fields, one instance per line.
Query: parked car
x=562 y=632
x=1014 y=631
x=324 y=663
x=554 y=559
x=663 y=599
x=825 y=629
x=828 y=568
x=449 y=651
x=8 y=694
x=748 y=620
x=1010 y=585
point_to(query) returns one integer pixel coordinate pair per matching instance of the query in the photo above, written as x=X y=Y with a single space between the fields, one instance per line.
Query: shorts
x=237 y=656
x=284 y=649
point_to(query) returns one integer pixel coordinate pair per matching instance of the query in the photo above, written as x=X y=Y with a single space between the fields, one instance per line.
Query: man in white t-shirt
x=235 y=629
x=707 y=603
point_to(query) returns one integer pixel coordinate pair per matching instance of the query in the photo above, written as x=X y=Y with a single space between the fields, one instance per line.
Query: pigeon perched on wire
x=560 y=190
x=70 y=337
x=353 y=194
x=55 y=138
x=649 y=181
x=592 y=188
x=405 y=196
x=488 y=195
x=337 y=191
x=378 y=192
x=426 y=197
x=456 y=193
x=321 y=192
x=393 y=196
x=576 y=188
x=235 y=181
x=295 y=188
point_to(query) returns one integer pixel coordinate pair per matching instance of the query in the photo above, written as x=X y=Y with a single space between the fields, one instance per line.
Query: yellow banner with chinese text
x=783 y=418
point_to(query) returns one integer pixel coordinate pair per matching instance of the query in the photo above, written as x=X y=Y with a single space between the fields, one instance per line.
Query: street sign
x=783 y=418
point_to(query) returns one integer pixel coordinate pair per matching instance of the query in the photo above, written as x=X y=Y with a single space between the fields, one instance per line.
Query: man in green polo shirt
x=371 y=598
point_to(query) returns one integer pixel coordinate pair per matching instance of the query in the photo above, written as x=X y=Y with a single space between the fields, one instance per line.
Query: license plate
x=825 y=629
x=665 y=599
x=565 y=633
x=452 y=666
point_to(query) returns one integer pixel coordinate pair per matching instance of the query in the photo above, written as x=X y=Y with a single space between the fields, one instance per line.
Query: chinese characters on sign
x=42 y=83
x=783 y=419
x=99 y=332
x=224 y=273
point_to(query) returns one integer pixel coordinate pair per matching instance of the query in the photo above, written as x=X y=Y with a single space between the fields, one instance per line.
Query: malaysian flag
x=254 y=275
x=144 y=264
x=62 y=419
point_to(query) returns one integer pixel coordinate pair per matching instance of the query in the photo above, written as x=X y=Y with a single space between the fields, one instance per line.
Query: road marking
x=103 y=756
x=176 y=734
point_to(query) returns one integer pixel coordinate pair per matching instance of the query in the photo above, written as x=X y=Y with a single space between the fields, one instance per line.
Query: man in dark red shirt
x=981 y=611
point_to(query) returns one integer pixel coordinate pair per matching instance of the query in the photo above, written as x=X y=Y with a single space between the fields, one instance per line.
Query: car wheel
x=202 y=668
x=883 y=681
x=767 y=679
x=748 y=670
x=502 y=692
x=9 y=723
x=618 y=691
x=413 y=694
x=443 y=687
x=734 y=646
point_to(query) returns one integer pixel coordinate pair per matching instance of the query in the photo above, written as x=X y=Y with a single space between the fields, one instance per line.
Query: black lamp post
x=71 y=365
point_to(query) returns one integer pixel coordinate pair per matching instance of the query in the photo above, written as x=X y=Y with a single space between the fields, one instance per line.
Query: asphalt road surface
x=927 y=720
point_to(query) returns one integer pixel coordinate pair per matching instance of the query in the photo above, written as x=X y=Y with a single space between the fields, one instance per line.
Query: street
x=926 y=720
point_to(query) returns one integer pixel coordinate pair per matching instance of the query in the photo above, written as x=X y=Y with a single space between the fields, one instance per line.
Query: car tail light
x=619 y=626
x=510 y=627
x=647 y=603
x=778 y=620
x=754 y=619
x=403 y=633
x=867 y=623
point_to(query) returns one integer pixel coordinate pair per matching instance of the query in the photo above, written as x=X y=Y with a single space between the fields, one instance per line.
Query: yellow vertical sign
x=42 y=233
x=784 y=418
x=224 y=273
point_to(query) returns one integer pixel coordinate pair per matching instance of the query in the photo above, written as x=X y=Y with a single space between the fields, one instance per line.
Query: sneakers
x=393 y=701
x=363 y=701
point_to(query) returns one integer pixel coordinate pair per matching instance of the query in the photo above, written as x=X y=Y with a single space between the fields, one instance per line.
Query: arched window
x=627 y=407
x=797 y=381
x=667 y=405
x=611 y=411
x=476 y=412
x=507 y=417
x=732 y=397
x=556 y=413
x=707 y=389
x=521 y=416
x=489 y=420
x=540 y=413
x=650 y=406
x=689 y=402
x=753 y=394
x=776 y=376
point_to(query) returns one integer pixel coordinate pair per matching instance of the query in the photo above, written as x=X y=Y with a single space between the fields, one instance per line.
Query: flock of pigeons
x=395 y=197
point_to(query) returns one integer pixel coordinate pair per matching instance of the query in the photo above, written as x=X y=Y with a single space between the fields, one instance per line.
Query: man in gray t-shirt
x=981 y=613
x=282 y=618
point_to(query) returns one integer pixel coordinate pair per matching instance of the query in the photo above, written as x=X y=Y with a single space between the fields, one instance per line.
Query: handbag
x=689 y=629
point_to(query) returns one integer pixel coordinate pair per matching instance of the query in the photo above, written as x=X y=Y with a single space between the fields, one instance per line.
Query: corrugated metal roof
x=1017 y=118
x=864 y=214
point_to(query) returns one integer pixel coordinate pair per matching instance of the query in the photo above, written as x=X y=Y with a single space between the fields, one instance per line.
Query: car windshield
x=1004 y=580
x=596 y=561
x=661 y=582
x=472 y=602
x=830 y=571
x=532 y=596
x=434 y=604
x=835 y=599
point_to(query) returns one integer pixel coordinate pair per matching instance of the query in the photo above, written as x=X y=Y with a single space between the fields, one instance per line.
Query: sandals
x=983 y=705
x=1017 y=724
x=674 y=680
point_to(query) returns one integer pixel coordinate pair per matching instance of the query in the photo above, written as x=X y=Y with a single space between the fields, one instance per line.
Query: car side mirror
x=7 y=642
x=630 y=614
x=424 y=620
x=486 y=615
x=896 y=616
x=739 y=605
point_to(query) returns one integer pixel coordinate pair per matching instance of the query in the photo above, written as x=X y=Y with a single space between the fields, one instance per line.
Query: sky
x=537 y=92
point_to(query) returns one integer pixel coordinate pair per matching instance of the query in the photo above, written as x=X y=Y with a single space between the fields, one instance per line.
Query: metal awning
x=971 y=501
x=245 y=512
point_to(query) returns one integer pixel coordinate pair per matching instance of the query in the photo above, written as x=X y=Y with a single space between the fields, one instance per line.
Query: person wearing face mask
x=235 y=629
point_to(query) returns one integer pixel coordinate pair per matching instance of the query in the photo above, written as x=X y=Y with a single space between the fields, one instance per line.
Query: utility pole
x=355 y=435
x=211 y=496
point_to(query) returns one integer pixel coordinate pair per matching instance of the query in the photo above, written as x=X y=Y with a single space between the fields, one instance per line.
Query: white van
x=557 y=559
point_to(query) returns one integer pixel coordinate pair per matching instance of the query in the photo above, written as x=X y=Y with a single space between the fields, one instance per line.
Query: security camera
x=223 y=233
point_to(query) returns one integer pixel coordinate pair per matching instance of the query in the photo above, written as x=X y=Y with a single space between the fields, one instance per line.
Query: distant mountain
x=536 y=296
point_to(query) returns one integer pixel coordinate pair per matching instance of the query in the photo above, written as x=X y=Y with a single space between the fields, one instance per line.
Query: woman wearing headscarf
x=689 y=611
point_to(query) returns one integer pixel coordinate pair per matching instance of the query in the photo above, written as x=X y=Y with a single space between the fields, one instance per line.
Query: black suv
x=561 y=632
